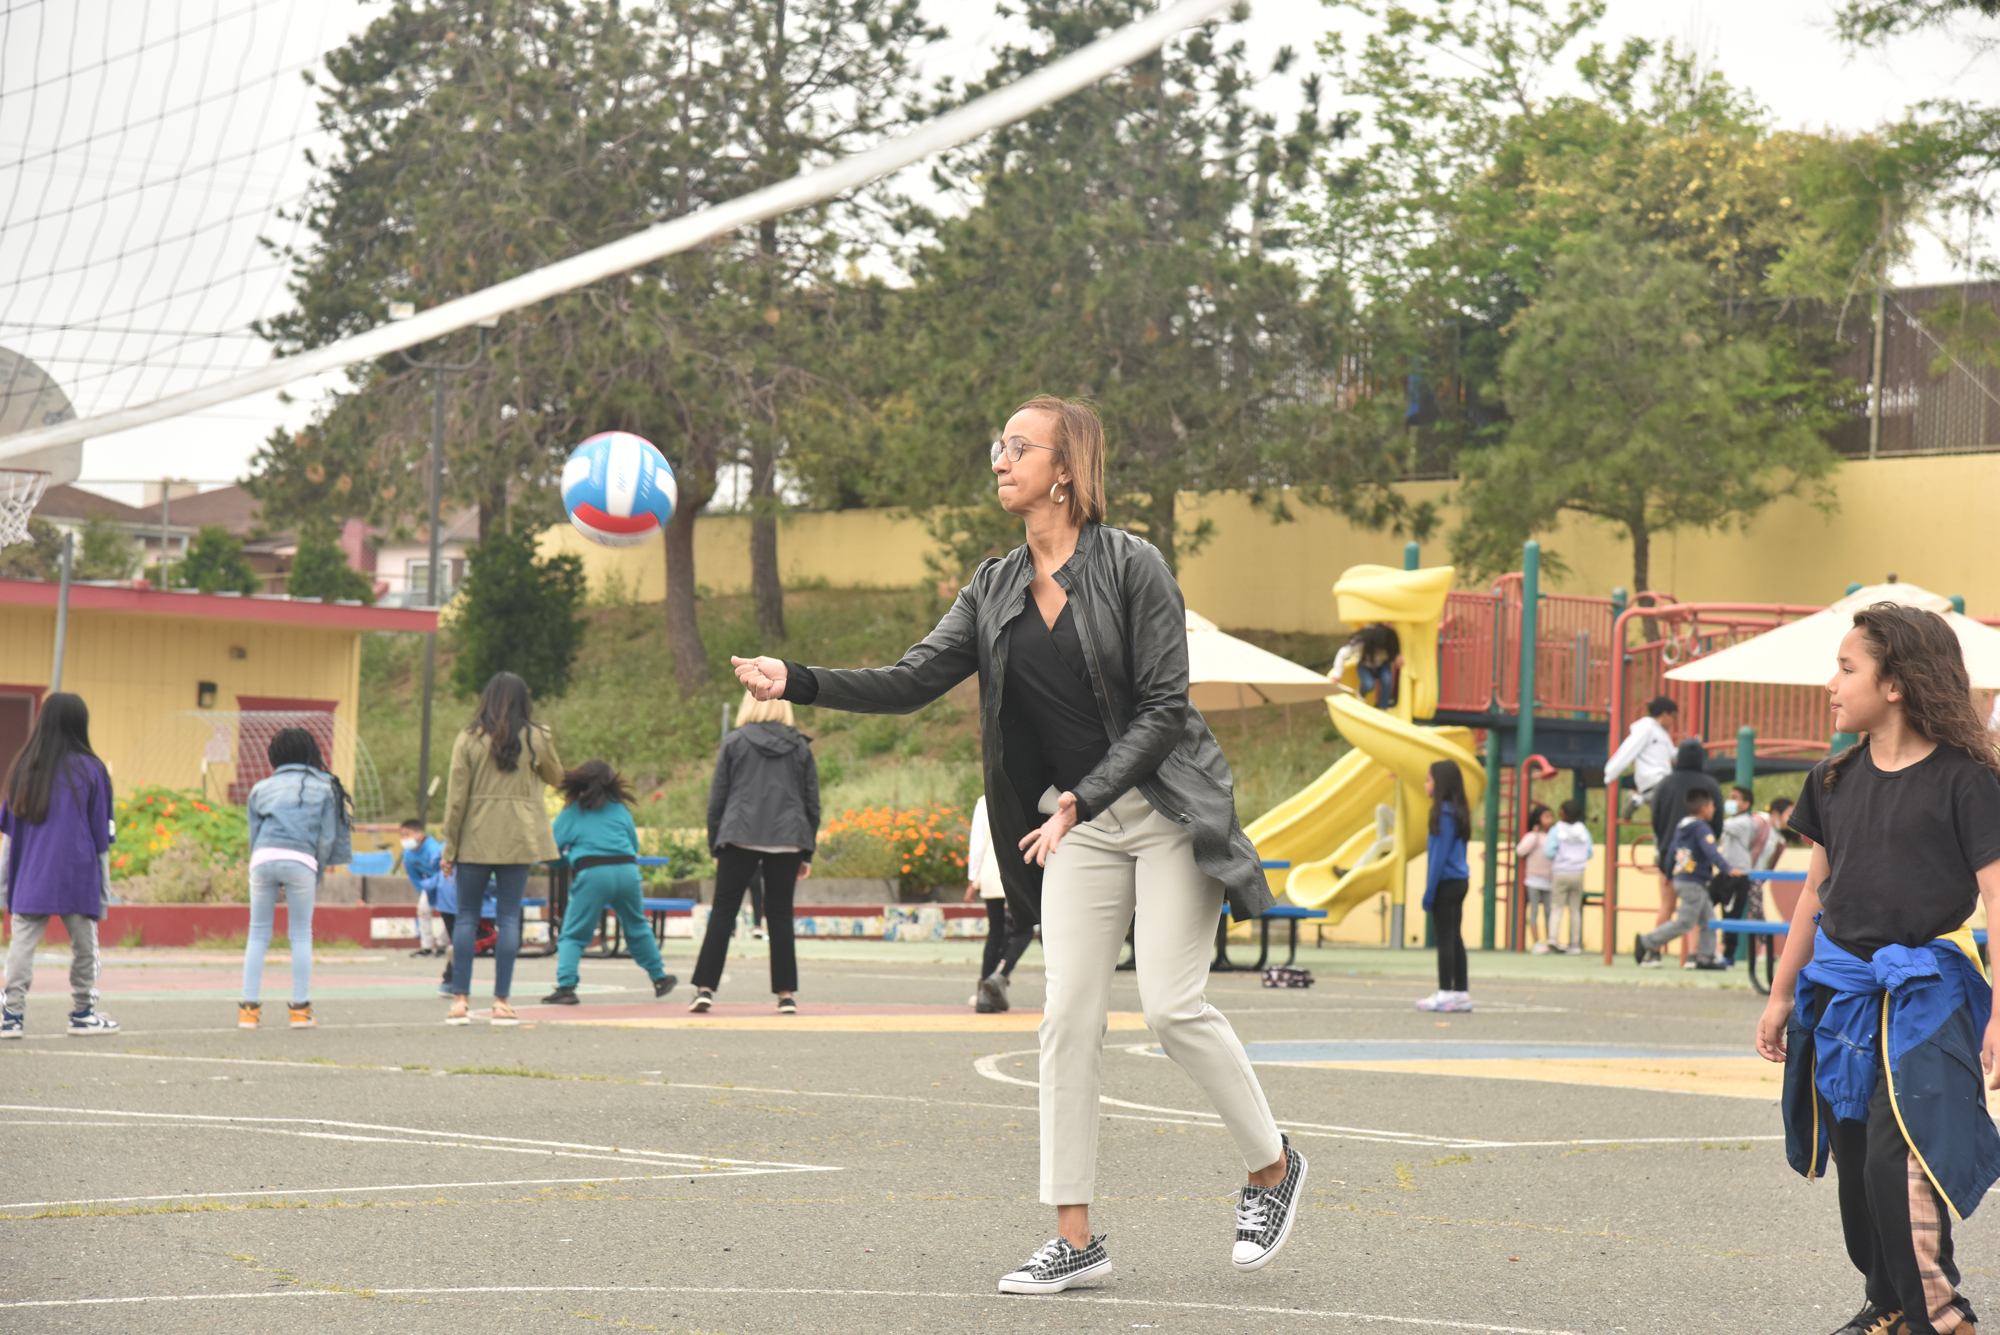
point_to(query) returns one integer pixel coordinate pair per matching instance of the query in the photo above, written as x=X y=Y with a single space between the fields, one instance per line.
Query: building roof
x=231 y=506
x=64 y=501
x=140 y=600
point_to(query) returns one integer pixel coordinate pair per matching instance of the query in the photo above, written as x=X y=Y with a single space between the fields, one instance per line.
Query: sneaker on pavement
x=13 y=1024
x=703 y=999
x=302 y=1015
x=1539 y=948
x=91 y=1022
x=1711 y=964
x=248 y=1013
x=664 y=984
x=562 y=996
x=1436 y=1001
x=1264 y=1214
x=992 y=995
x=1871 y=1320
x=1458 y=1003
x=1573 y=950
x=1056 y=1265
x=788 y=1006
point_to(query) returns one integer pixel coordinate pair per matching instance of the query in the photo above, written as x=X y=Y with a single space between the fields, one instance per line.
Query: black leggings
x=1003 y=948
x=733 y=869
x=1447 y=915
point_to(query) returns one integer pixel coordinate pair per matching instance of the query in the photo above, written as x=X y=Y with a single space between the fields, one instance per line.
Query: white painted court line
x=1191 y=1117
x=317 y=1128
x=337 y=1191
x=1249 y=1309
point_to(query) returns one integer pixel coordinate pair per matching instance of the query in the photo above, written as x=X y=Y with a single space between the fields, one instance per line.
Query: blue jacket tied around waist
x=1929 y=1005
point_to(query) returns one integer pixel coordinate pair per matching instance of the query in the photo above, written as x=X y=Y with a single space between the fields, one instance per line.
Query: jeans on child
x=1541 y=910
x=298 y=882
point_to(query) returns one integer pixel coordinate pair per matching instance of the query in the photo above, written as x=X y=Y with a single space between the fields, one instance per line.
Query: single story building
x=163 y=671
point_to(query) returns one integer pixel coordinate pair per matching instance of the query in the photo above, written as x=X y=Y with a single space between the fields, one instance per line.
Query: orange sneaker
x=248 y=1013
x=302 y=1015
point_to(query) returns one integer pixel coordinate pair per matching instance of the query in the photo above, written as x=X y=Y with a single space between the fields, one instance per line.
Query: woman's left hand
x=805 y=870
x=1041 y=845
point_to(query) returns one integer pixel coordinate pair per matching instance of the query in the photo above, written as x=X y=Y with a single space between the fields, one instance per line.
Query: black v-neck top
x=1051 y=731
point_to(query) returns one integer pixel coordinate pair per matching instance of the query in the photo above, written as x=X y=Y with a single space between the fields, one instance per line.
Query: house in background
x=400 y=565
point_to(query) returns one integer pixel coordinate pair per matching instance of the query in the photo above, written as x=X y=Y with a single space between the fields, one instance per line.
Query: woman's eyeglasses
x=1014 y=447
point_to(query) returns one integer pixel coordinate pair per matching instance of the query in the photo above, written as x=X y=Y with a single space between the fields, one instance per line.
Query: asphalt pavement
x=1590 y=1150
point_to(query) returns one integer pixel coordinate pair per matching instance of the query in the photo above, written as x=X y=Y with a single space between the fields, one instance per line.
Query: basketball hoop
x=20 y=491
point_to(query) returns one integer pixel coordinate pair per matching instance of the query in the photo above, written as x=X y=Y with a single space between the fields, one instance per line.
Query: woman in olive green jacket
x=495 y=828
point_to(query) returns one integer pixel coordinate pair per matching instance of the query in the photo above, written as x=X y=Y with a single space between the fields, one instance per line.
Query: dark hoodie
x=766 y=790
x=1669 y=803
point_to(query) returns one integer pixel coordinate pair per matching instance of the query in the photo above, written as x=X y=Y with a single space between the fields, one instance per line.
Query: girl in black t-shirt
x=1905 y=827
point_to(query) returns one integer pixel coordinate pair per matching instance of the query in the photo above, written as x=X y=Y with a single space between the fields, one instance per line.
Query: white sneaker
x=1539 y=948
x=1457 y=1003
x=1436 y=1001
x=91 y=1022
x=1573 y=950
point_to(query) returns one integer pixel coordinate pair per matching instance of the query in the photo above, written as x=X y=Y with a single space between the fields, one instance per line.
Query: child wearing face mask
x=1745 y=832
x=421 y=856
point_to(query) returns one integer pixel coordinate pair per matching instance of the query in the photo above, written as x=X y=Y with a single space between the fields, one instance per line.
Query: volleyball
x=619 y=489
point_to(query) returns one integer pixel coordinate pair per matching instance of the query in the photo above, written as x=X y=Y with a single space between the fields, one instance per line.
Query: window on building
x=450 y=575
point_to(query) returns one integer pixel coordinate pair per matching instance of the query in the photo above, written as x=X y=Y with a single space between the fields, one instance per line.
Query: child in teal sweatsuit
x=599 y=841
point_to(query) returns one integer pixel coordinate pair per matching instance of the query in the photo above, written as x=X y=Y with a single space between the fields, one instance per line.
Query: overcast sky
x=144 y=149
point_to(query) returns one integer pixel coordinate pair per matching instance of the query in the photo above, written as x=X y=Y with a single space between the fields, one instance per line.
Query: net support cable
x=1000 y=107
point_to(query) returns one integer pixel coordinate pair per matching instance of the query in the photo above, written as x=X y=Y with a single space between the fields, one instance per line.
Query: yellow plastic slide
x=1333 y=823
x=1395 y=748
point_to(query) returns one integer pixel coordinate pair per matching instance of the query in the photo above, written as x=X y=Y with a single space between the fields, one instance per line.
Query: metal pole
x=431 y=593
x=1531 y=594
x=1411 y=557
x=1958 y=603
x=62 y=611
x=1746 y=758
x=166 y=495
x=1488 y=908
x=1397 y=909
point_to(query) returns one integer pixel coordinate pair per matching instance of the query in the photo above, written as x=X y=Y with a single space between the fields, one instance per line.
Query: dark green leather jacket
x=1133 y=624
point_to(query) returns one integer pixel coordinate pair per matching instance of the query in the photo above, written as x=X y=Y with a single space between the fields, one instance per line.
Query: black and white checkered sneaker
x=1264 y=1215
x=1056 y=1266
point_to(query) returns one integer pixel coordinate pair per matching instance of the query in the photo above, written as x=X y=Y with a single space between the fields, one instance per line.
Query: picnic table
x=1287 y=913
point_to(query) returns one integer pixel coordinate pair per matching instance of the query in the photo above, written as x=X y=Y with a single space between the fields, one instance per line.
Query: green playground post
x=1958 y=603
x=1492 y=813
x=1746 y=759
x=1854 y=588
x=1618 y=600
x=1411 y=559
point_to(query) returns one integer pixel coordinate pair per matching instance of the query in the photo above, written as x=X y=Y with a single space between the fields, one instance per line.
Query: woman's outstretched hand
x=762 y=677
x=1039 y=846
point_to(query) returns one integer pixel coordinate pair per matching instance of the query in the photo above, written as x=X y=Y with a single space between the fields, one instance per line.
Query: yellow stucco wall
x=1929 y=520
x=138 y=672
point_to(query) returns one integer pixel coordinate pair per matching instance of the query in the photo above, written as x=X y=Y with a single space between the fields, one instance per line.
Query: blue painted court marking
x=1396 y=1050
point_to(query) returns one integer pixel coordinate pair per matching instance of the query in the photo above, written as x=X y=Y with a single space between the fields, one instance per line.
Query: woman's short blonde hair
x=753 y=710
x=1079 y=445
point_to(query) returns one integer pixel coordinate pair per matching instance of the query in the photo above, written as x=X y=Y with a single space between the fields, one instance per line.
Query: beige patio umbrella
x=1227 y=673
x=1801 y=653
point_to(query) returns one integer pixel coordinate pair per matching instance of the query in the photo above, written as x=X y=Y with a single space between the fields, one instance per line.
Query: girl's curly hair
x=593 y=783
x=1920 y=652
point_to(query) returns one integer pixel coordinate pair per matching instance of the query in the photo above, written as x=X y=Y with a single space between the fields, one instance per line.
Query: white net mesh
x=224 y=752
x=20 y=491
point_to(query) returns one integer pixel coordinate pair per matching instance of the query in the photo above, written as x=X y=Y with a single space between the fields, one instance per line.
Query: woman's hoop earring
x=1052 y=493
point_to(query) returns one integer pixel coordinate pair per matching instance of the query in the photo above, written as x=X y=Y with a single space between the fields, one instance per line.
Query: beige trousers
x=1131 y=856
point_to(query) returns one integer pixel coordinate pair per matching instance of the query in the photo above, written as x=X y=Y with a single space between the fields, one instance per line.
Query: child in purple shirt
x=56 y=815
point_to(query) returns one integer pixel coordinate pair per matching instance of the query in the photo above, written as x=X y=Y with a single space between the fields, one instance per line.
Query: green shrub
x=151 y=819
x=188 y=874
x=686 y=852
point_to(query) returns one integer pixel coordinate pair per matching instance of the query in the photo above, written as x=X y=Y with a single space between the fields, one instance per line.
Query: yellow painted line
x=1730 y=1077
x=1005 y=1023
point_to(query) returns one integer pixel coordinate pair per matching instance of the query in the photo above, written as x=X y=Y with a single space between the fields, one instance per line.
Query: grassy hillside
x=624 y=707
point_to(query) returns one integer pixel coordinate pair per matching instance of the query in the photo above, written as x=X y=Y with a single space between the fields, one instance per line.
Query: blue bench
x=372 y=864
x=1290 y=914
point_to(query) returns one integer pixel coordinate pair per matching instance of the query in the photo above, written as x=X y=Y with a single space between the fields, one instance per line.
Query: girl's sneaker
x=1436 y=1001
x=13 y=1024
x=703 y=999
x=787 y=1006
x=91 y=1022
x=302 y=1015
x=1539 y=948
x=1457 y=1002
x=248 y=1013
